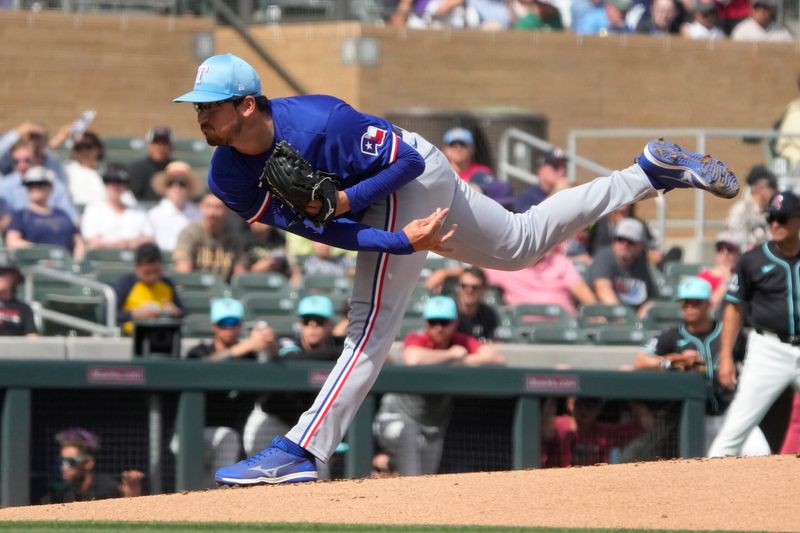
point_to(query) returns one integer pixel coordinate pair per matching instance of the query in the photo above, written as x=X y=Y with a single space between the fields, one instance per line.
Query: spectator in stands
x=112 y=224
x=211 y=245
x=36 y=136
x=761 y=25
x=580 y=437
x=728 y=249
x=81 y=480
x=601 y=233
x=536 y=15
x=83 y=176
x=145 y=293
x=38 y=223
x=16 y=317
x=731 y=13
x=324 y=263
x=411 y=428
x=266 y=249
x=703 y=24
x=552 y=280
x=665 y=17
x=438 y=14
x=226 y=322
x=13 y=191
x=275 y=413
x=789 y=147
x=746 y=217
x=459 y=148
x=177 y=184
x=159 y=154
x=474 y=316
x=694 y=345
x=601 y=17
x=619 y=273
x=552 y=174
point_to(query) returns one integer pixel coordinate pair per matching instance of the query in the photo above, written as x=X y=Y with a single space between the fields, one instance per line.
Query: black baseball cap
x=759 y=173
x=784 y=204
x=8 y=265
x=116 y=173
x=160 y=134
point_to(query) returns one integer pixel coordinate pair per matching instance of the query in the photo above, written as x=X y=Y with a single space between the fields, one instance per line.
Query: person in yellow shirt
x=145 y=294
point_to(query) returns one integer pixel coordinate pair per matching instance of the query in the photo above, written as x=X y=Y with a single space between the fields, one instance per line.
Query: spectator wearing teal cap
x=694 y=345
x=226 y=322
x=411 y=428
x=459 y=148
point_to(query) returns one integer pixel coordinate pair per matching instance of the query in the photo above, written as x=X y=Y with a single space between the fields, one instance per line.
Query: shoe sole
x=296 y=477
x=721 y=181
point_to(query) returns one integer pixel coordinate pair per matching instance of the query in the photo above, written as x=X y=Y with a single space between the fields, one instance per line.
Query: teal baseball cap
x=226 y=309
x=316 y=305
x=693 y=288
x=440 y=308
x=222 y=77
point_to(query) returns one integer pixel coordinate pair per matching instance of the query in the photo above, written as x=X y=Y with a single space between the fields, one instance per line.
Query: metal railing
x=110 y=329
x=508 y=168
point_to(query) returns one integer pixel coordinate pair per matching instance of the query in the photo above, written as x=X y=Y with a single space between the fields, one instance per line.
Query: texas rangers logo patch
x=372 y=140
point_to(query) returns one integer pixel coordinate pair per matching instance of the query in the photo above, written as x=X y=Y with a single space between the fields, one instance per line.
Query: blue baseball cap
x=226 y=308
x=222 y=77
x=440 y=308
x=315 y=305
x=459 y=135
x=693 y=288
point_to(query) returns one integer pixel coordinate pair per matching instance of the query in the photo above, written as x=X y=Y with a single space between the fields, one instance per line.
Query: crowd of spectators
x=739 y=20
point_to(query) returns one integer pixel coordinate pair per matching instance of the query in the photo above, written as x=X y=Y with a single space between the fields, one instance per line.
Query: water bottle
x=82 y=124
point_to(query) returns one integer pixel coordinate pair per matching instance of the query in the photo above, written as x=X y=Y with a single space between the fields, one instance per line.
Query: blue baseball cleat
x=282 y=462
x=671 y=167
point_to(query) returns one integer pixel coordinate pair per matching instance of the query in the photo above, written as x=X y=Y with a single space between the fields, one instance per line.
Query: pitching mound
x=729 y=494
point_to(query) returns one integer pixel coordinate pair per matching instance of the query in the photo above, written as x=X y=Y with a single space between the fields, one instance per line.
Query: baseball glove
x=290 y=177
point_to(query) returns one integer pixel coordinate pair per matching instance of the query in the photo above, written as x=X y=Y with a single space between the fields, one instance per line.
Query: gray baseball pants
x=488 y=236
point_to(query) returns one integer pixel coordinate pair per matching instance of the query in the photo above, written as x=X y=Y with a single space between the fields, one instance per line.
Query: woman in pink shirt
x=553 y=280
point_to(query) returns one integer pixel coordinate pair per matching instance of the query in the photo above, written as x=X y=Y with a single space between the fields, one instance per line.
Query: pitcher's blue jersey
x=334 y=138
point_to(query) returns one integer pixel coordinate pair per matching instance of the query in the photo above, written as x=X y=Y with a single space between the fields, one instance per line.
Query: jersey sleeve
x=738 y=285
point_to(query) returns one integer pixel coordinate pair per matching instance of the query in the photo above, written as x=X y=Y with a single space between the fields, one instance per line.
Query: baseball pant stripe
x=377 y=290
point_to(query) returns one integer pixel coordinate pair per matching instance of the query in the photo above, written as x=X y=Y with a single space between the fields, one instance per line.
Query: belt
x=794 y=340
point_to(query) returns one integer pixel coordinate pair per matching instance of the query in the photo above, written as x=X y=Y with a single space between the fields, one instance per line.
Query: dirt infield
x=756 y=494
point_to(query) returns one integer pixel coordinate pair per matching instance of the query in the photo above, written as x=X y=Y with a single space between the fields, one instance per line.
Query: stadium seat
x=260 y=282
x=196 y=302
x=110 y=273
x=86 y=307
x=663 y=315
x=197 y=326
x=197 y=282
x=620 y=335
x=675 y=271
x=283 y=325
x=324 y=284
x=527 y=313
x=554 y=334
x=602 y=315
x=44 y=254
x=122 y=256
x=259 y=305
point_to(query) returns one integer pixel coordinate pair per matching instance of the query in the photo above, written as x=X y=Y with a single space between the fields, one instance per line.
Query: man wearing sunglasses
x=411 y=428
x=765 y=285
x=695 y=344
x=392 y=192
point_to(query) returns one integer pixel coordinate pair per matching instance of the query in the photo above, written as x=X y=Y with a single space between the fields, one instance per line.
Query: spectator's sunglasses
x=439 y=322
x=318 y=320
x=471 y=287
x=210 y=106
x=626 y=241
x=781 y=220
x=229 y=322
x=179 y=182
x=725 y=247
x=37 y=184
x=72 y=462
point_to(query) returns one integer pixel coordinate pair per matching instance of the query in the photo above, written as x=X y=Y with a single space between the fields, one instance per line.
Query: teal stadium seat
x=197 y=326
x=198 y=282
x=602 y=315
x=44 y=254
x=555 y=333
x=662 y=316
x=620 y=335
x=260 y=282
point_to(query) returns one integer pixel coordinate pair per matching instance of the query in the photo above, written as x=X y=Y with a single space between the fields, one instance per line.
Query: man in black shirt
x=474 y=317
x=16 y=318
x=81 y=481
x=765 y=284
x=694 y=345
x=159 y=155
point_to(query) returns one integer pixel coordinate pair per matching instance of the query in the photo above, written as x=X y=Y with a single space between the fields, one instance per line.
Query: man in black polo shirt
x=16 y=318
x=765 y=283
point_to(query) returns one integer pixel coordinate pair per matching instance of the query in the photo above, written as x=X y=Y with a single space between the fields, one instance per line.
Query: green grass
x=190 y=527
